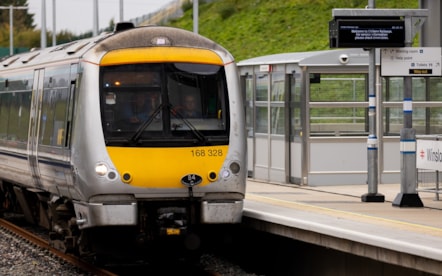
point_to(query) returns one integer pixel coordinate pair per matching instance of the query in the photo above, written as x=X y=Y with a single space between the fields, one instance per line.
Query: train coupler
x=172 y=221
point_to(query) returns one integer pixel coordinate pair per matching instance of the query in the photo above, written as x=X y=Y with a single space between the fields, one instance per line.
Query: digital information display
x=367 y=33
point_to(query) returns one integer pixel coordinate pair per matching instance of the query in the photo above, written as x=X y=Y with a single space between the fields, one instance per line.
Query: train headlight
x=225 y=173
x=235 y=167
x=101 y=169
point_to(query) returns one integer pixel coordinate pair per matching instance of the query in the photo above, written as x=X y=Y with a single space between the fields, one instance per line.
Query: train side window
x=4 y=114
x=14 y=107
x=19 y=116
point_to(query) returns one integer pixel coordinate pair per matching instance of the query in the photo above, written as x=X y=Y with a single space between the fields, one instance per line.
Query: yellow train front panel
x=165 y=167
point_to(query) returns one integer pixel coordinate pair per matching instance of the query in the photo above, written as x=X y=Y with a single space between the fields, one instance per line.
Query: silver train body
x=71 y=161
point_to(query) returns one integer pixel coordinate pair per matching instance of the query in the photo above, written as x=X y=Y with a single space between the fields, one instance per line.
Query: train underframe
x=165 y=228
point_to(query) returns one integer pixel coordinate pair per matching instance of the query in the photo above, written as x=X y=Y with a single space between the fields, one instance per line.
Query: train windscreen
x=167 y=104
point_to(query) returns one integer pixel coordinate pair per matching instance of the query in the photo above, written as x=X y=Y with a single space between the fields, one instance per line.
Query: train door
x=50 y=128
x=37 y=89
x=70 y=109
x=55 y=112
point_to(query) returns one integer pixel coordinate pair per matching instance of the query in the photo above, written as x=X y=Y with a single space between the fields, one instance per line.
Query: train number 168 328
x=207 y=152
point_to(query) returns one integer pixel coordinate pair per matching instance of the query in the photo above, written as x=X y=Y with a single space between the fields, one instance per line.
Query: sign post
x=387 y=28
x=408 y=62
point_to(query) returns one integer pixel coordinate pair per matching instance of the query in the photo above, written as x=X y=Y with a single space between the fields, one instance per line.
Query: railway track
x=44 y=244
x=28 y=235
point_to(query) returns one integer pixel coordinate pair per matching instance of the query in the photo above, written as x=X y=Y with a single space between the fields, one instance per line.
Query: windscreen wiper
x=145 y=124
x=193 y=129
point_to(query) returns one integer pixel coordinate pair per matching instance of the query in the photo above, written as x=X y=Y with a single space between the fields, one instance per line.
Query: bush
x=227 y=11
x=187 y=6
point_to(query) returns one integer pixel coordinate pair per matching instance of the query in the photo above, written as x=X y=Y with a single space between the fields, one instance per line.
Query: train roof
x=146 y=36
x=356 y=56
x=70 y=50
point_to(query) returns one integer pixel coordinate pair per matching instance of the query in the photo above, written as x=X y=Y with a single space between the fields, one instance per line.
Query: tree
x=22 y=19
x=25 y=34
x=23 y=24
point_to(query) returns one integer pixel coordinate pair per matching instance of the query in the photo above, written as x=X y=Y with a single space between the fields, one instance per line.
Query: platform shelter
x=307 y=117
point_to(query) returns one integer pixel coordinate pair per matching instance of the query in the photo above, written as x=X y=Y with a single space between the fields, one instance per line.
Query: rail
x=42 y=243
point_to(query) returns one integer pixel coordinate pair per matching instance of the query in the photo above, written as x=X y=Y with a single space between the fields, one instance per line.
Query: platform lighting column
x=195 y=16
x=95 y=18
x=408 y=197
x=43 y=42
x=11 y=26
x=121 y=11
x=54 y=32
x=372 y=141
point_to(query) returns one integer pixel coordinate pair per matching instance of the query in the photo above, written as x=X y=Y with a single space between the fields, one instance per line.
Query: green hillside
x=250 y=28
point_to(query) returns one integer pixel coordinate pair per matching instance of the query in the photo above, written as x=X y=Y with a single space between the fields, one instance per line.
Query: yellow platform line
x=336 y=212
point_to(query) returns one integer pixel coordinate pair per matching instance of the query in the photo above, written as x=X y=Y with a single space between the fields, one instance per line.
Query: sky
x=76 y=16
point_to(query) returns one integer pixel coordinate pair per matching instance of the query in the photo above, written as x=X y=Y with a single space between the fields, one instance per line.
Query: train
x=74 y=161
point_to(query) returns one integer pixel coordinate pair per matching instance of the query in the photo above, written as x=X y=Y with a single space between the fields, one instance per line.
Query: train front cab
x=307 y=117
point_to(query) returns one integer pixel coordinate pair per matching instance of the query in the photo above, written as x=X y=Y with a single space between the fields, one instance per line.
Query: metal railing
x=429 y=181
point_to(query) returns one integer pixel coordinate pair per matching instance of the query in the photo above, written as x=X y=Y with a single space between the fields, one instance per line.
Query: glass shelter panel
x=435 y=120
x=434 y=113
x=338 y=121
x=261 y=102
x=338 y=88
x=435 y=89
x=277 y=103
x=393 y=120
x=338 y=104
x=426 y=117
x=419 y=89
x=295 y=104
x=261 y=119
x=277 y=115
x=262 y=87
x=249 y=104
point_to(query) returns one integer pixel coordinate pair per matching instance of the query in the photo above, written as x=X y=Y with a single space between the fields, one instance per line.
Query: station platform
x=335 y=217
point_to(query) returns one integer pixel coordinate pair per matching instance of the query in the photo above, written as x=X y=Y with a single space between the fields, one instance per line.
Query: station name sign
x=429 y=155
x=367 y=33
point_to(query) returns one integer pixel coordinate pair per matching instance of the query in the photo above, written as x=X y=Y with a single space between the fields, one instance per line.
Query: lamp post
x=95 y=18
x=195 y=16
x=54 y=34
x=121 y=11
x=11 y=24
x=43 y=42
